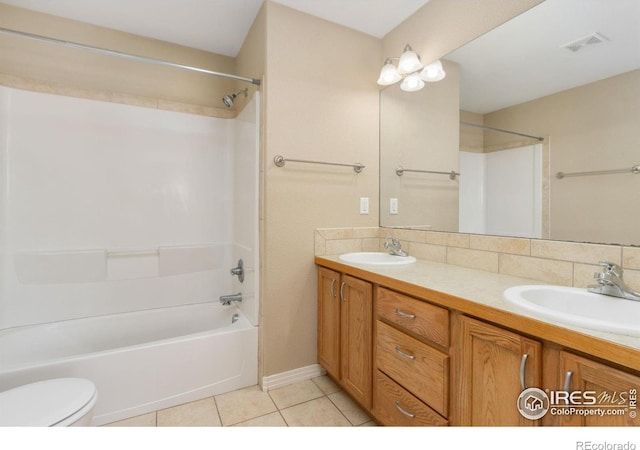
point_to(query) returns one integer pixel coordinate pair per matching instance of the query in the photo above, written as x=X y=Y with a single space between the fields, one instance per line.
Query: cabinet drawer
x=395 y=406
x=421 y=318
x=419 y=368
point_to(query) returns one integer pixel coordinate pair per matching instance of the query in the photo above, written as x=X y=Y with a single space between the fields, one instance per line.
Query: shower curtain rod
x=537 y=138
x=105 y=51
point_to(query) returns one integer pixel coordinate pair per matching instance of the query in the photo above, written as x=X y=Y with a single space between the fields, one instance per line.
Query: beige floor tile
x=201 y=413
x=319 y=413
x=144 y=420
x=349 y=408
x=326 y=384
x=244 y=404
x=295 y=393
x=269 y=420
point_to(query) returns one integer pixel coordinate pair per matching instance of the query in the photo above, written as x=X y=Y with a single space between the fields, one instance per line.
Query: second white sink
x=575 y=306
x=376 y=259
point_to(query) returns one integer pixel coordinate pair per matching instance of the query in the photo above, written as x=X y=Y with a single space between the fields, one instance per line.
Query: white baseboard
x=292 y=376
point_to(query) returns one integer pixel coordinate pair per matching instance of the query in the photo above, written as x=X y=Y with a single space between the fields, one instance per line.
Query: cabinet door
x=329 y=321
x=357 y=338
x=491 y=364
x=613 y=389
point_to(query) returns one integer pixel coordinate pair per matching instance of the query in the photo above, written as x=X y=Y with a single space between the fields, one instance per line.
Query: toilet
x=60 y=402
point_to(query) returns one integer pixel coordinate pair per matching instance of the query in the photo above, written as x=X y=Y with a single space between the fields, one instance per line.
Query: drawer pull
x=406 y=315
x=333 y=282
x=403 y=411
x=404 y=354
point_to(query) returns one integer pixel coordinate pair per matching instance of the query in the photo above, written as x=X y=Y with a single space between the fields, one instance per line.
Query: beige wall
x=321 y=104
x=471 y=138
x=25 y=63
x=589 y=128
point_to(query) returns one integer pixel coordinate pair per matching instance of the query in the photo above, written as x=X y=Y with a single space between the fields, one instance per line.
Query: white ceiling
x=219 y=26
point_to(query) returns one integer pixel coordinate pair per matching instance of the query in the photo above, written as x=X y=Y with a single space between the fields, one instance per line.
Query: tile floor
x=316 y=402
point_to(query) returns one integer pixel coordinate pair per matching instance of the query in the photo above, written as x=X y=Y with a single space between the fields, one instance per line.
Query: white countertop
x=474 y=286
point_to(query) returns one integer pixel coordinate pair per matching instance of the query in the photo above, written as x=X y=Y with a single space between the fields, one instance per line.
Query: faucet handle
x=612 y=268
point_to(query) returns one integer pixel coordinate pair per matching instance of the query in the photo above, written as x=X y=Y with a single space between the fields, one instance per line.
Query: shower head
x=228 y=99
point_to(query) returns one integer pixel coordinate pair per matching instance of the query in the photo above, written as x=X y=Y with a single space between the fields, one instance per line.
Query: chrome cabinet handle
x=403 y=411
x=406 y=315
x=567 y=380
x=403 y=354
x=342 y=292
x=523 y=369
x=333 y=282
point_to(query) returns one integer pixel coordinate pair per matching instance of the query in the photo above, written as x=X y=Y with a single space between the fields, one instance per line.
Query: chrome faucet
x=227 y=299
x=394 y=247
x=610 y=282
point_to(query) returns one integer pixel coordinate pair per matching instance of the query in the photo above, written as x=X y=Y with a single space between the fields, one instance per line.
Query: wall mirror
x=567 y=72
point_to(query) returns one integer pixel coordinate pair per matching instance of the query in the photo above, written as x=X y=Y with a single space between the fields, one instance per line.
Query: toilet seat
x=57 y=402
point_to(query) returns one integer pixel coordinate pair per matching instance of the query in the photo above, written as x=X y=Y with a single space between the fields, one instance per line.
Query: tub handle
x=239 y=270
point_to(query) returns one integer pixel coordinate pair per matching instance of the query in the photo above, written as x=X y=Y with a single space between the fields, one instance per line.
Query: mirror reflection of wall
x=419 y=131
x=569 y=71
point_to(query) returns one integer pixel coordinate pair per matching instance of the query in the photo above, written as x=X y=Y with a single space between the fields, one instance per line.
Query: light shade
x=433 y=72
x=412 y=83
x=409 y=61
x=389 y=74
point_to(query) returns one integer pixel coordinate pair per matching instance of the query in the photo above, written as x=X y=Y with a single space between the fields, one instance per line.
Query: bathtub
x=140 y=361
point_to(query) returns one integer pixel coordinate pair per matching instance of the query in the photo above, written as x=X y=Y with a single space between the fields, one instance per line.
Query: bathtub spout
x=227 y=299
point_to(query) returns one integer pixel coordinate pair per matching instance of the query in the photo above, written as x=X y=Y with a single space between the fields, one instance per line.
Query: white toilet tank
x=58 y=402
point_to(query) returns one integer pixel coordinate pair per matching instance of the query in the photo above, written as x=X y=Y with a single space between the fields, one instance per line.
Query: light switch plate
x=364 y=205
x=393 y=206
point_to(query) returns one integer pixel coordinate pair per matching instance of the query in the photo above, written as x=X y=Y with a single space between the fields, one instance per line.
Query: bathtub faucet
x=227 y=299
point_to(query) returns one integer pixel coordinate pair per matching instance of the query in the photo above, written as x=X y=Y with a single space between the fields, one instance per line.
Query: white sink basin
x=575 y=306
x=377 y=259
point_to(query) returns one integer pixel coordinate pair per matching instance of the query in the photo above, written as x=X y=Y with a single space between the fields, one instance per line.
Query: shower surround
x=109 y=209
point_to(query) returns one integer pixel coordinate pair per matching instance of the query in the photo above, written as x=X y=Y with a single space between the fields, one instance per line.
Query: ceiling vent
x=584 y=42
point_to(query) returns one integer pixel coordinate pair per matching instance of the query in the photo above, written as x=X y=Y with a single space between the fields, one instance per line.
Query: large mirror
x=539 y=121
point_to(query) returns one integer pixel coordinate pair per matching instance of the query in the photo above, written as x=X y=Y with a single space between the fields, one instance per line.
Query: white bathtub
x=140 y=361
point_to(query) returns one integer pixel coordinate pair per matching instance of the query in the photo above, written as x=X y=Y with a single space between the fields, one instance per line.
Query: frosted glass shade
x=409 y=62
x=433 y=72
x=412 y=83
x=389 y=74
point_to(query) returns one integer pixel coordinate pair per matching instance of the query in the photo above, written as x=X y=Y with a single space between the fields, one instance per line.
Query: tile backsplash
x=554 y=262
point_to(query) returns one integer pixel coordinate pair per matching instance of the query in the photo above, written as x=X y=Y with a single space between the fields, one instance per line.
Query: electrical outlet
x=393 y=206
x=364 y=205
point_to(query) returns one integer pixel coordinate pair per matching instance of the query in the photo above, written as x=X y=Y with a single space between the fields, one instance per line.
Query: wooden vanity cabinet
x=345 y=332
x=492 y=368
x=417 y=361
x=615 y=392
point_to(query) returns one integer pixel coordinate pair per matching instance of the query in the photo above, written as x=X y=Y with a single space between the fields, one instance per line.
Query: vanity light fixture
x=410 y=70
